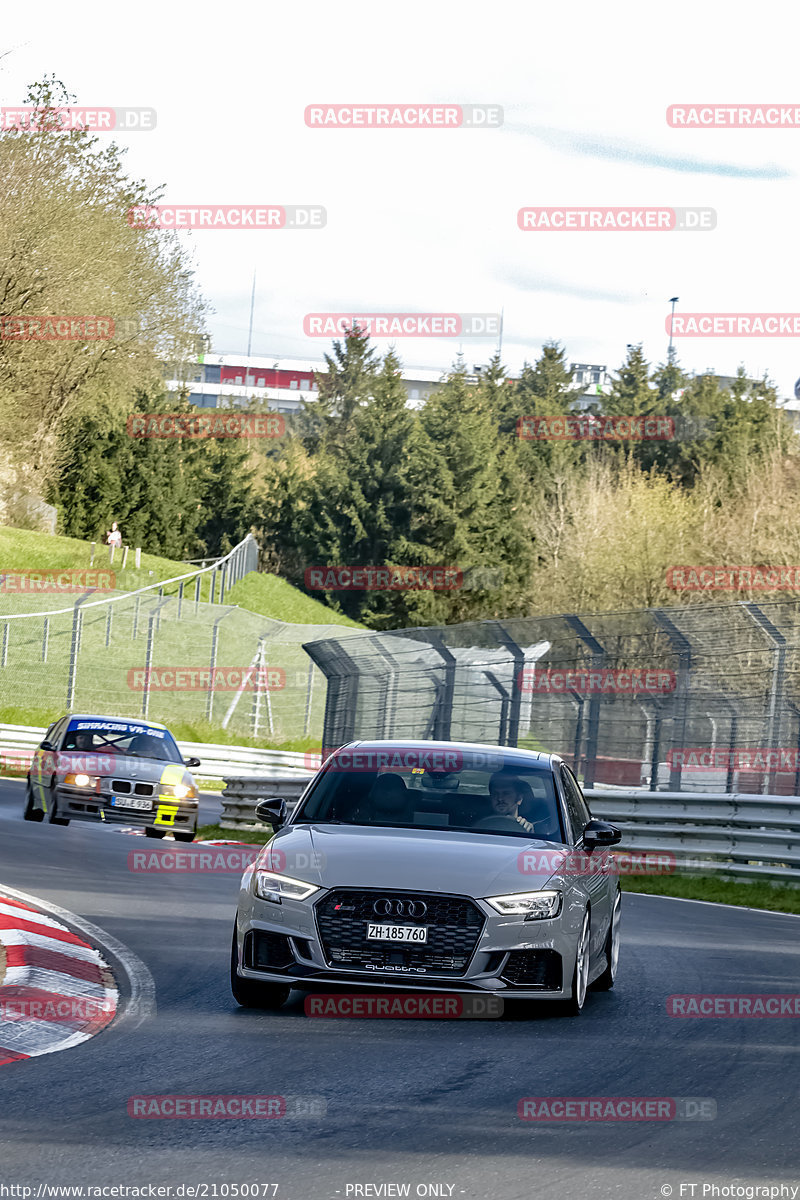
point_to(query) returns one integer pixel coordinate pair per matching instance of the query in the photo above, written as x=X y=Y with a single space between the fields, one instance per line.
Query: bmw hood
x=124 y=766
x=423 y=860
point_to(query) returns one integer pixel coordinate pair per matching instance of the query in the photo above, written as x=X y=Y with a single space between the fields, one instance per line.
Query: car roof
x=515 y=753
x=115 y=717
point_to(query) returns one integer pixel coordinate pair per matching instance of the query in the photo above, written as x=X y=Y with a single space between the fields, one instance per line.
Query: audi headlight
x=179 y=790
x=270 y=886
x=534 y=906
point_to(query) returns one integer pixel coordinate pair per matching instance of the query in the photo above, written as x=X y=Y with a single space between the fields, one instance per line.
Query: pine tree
x=225 y=474
x=149 y=486
x=459 y=506
x=343 y=389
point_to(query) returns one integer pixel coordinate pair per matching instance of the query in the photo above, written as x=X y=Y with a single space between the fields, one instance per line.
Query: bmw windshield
x=126 y=738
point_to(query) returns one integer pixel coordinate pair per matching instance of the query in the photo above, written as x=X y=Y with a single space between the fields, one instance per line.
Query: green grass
x=34 y=691
x=254 y=837
x=274 y=597
x=775 y=897
x=267 y=595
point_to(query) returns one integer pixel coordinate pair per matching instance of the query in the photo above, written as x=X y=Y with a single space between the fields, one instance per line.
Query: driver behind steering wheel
x=506 y=793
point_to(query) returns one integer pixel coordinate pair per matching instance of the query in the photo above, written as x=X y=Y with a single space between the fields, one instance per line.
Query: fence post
x=309 y=696
x=5 y=644
x=444 y=707
x=683 y=647
x=598 y=660
x=213 y=664
x=74 y=648
x=197 y=583
x=505 y=705
x=213 y=585
x=135 y=619
x=137 y=557
x=578 y=740
x=108 y=624
x=518 y=654
x=91 y=560
x=222 y=583
x=125 y=556
x=152 y=625
x=773 y=721
x=45 y=638
x=180 y=598
x=731 y=749
x=655 y=753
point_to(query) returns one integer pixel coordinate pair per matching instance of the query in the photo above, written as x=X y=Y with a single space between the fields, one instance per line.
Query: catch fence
x=163 y=652
x=698 y=698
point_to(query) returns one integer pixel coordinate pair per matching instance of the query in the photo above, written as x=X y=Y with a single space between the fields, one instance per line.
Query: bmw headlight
x=79 y=779
x=270 y=886
x=179 y=790
x=533 y=906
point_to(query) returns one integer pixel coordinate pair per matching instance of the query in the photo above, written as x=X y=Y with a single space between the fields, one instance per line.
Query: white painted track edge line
x=770 y=912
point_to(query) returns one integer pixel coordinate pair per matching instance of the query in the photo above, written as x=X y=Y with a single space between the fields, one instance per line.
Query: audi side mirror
x=272 y=811
x=600 y=833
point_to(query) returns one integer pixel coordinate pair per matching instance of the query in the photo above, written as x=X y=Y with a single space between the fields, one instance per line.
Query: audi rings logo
x=399 y=908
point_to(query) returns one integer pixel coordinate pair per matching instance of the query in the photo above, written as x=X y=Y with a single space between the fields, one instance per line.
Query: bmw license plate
x=397 y=933
x=131 y=802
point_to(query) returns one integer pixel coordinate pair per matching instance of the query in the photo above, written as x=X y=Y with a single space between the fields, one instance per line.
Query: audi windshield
x=464 y=794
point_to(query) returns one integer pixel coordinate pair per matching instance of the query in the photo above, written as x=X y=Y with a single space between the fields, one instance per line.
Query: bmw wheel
x=52 y=815
x=30 y=812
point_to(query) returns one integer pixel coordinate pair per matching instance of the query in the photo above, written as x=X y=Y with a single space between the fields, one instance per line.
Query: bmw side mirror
x=272 y=811
x=191 y=762
x=600 y=833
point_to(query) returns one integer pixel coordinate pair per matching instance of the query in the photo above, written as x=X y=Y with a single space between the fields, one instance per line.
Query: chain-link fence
x=164 y=653
x=685 y=698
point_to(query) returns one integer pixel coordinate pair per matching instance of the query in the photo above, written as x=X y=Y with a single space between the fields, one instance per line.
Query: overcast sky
x=426 y=220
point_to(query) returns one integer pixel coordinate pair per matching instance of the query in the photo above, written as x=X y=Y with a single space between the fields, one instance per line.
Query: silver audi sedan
x=438 y=866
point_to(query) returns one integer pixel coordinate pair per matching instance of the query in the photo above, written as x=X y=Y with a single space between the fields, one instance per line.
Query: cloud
x=531 y=284
x=620 y=151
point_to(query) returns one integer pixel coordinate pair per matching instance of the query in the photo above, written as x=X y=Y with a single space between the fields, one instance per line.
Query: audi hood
x=473 y=864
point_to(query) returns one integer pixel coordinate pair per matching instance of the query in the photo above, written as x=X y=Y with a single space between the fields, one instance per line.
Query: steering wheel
x=499 y=822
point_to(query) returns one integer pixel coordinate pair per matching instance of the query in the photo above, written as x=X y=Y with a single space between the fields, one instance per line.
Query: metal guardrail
x=749 y=836
x=17 y=743
x=746 y=836
x=738 y=834
x=241 y=796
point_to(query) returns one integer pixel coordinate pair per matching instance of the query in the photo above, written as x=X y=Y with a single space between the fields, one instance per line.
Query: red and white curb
x=57 y=990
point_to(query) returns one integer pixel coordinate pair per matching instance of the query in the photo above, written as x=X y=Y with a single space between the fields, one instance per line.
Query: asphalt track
x=415 y=1102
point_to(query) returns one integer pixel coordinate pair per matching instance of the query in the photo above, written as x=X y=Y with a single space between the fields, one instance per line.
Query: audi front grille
x=454 y=925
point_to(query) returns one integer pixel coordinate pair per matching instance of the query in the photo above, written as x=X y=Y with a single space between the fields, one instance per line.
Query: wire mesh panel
x=169 y=657
x=698 y=697
x=215 y=663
